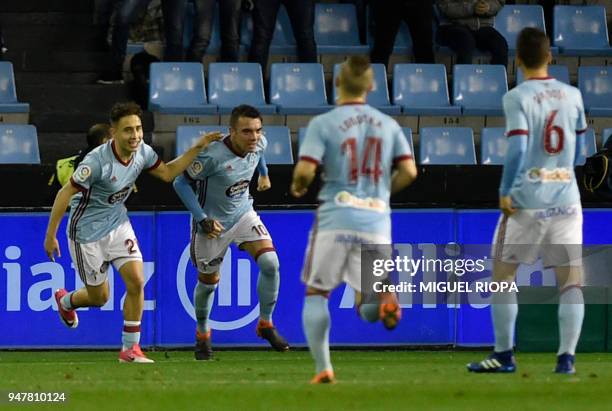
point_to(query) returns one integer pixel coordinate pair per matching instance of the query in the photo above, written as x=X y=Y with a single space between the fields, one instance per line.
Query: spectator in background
x=301 y=15
x=468 y=25
x=98 y=134
x=126 y=12
x=230 y=12
x=388 y=15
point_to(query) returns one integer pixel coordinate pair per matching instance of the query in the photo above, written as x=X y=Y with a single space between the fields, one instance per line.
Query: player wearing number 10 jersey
x=357 y=146
x=540 y=201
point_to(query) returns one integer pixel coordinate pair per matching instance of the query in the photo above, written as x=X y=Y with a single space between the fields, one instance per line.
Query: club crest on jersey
x=196 y=168
x=82 y=173
x=120 y=195
x=237 y=189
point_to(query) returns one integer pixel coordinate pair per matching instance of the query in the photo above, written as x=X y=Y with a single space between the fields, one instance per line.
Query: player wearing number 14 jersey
x=540 y=201
x=357 y=146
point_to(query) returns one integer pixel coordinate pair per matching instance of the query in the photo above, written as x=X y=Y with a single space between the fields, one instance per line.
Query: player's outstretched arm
x=405 y=173
x=62 y=199
x=168 y=172
x=303 y=174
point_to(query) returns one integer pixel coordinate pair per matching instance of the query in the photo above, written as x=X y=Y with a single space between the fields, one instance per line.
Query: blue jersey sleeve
x=516 y=121
x=87 y=173
x=184 y=190
x=313 y=146
x=262 y=166
x=152 y=160
x=401 y=147
x=203 y=166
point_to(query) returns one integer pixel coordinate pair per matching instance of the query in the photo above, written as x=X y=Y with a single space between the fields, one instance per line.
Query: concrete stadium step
x=55 y=37
x=54 y=61
x=69 y=6
x=71 y=98
x=21 y=19
x=53 y=146
x=42 y=77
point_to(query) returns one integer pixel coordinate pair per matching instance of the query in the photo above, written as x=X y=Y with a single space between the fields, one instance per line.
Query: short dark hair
x=243 y=110
x=120 y=110
x=97 y=133
x=532 y=47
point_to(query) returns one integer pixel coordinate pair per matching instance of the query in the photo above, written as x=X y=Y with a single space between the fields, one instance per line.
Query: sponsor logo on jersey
x=120 y=195
x=544 y=175
x=237 y=189
x=346 y=199
x=82 y=173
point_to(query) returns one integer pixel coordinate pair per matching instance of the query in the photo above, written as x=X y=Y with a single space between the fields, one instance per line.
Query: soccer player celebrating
x=357 y=147
x=222 y=212
x=539 y=199
x=99 y=230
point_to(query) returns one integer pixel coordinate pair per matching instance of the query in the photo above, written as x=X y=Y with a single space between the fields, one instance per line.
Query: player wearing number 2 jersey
x=99 y=230
x=357 y=146
x=540 y=201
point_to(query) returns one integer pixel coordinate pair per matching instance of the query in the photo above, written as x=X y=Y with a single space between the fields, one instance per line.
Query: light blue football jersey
x=104 y=182
x=551 y=114
x=357 y=146
x=222 y=180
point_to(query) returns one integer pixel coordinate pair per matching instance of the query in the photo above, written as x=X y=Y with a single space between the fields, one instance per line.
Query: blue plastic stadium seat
x=408 y=133
x=283 y=41
x=186 y=136
x=581 y=31
x=558 y=71
x=8 y=93
x=232 y=84
x=379 y=95
x=478 y=89
x=589 y=148
x=493 y=145
x=512 y=18
x=595 y=83
x=447 y=145
x=336 y=30
x=178 y=88
x=422 y=89
x=18 y=144
x=605 y=135
x=279 y=145
x=298 y=88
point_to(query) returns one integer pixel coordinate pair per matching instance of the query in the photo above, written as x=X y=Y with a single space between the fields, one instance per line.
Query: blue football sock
x=504 y=310
x=369 y=312
x=267 y=284
x=571 y=314
x=316 y=322
x=203 y=297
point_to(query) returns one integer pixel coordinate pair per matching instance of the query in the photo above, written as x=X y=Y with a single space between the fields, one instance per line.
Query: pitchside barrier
x=28 y=316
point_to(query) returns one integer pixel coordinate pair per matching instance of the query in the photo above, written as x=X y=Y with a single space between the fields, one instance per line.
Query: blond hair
x=355 y=77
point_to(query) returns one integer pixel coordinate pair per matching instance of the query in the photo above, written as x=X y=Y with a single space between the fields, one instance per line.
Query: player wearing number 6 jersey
x=99 y=230
x=540 y=201
x=222 y=211
x=357 y=147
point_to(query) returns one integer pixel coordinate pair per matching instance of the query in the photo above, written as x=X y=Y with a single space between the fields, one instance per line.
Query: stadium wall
x=27 y=279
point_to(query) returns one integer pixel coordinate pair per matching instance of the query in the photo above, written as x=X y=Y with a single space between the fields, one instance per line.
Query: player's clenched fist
x=211 y=227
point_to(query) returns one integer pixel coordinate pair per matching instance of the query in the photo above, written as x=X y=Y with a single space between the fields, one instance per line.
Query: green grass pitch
x=262 y=380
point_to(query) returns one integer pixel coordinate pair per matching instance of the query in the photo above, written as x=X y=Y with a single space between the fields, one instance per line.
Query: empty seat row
x=418 y=89
x=11 y=110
